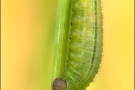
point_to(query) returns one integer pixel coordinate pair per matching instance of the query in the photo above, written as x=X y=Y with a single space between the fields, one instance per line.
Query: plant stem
x=61 y=38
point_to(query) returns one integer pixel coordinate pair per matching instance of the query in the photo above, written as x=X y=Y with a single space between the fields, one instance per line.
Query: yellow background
x=28 y=40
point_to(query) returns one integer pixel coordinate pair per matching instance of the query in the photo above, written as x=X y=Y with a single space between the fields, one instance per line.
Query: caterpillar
x=85 y=42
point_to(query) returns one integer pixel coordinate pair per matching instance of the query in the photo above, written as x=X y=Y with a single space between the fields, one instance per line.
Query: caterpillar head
x=59 y=84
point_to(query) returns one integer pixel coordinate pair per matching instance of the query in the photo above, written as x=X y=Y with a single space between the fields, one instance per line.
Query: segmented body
x=85 y=44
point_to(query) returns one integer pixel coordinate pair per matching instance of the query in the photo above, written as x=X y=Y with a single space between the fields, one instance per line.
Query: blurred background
x=27 y=37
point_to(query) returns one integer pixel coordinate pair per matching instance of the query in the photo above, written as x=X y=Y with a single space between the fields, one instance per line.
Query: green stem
x=61 y=38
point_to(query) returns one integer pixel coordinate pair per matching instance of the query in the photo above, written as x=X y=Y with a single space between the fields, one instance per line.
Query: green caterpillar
x=84 y=45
